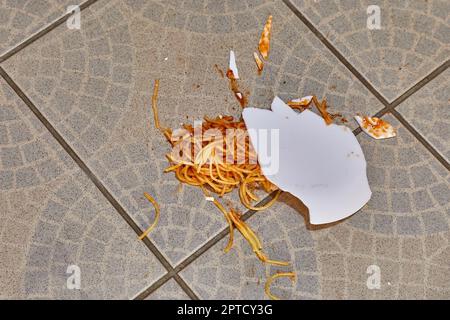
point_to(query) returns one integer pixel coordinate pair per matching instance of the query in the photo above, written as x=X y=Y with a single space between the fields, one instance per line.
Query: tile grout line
x=389 y=107
x=8 y=54
x=420 y=84
x=162 y=281
x=182 y=265
x=186 y=288
x=413 y=89
x=336 y=53
x=154 y=286
x=196 y=254
x=421 y=139
x=408 y=126
x=105 y=192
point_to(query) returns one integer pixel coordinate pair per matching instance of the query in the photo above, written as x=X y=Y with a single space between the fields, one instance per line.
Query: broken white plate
x=233 y=66
x=322 y=165
x=376 y=127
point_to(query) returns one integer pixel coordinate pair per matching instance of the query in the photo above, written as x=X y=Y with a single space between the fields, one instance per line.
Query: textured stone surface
x=19 y=20
x=410 y=188
x=169 y=291
x=413 y=39
x=429 y=112
x=238 y=274
x=52 y=217
x=95 y=86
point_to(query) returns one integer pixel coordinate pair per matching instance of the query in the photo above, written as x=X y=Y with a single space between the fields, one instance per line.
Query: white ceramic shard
x=258 y=61
x=305 y=100
x=376 y=127
x=233 y=66
x=322 y=165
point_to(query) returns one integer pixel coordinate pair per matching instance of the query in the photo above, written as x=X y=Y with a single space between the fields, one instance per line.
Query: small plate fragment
x=322 y=165
x=259 y=62
x=264 y=41
x=300 y=102
x=376 y=128
x=305 y=100
x=233 y=66
x=233 y=76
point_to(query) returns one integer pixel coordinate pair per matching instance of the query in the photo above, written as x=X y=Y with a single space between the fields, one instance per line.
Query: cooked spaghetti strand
x=154 y=104
x=269 y=281
x=155 y=222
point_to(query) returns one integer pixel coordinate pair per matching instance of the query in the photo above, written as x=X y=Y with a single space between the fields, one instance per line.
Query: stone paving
x=78 y=147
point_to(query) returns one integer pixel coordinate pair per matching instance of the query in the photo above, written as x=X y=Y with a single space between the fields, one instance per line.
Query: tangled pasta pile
x=207 y=156
x=220 y=165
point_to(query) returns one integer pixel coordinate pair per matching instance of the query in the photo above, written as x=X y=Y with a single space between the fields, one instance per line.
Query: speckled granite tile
x=403 y=232
x=169 y=291
x=19 y=20
x=238 y=274
x=412 y=41
x=53 y=217
x=428 y=110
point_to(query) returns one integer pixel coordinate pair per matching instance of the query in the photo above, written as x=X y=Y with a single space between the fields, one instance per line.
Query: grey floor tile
x=169 y=291
x=95 y=86
x=400 y=235
x=52 y=217
x=401 y=230
x=19 y=20
x=428 y=110
x=238 y=274
x=413 y=39
x=410 y=188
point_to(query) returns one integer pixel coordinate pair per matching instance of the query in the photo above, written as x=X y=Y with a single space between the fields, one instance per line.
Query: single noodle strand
x=269 y=281
x=156 y=205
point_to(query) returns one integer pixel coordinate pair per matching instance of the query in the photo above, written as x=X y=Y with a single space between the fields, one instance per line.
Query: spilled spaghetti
x=205 y=156
x=218 y=164
x=209 y=157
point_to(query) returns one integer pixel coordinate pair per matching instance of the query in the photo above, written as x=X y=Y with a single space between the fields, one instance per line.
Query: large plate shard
x=322 y=165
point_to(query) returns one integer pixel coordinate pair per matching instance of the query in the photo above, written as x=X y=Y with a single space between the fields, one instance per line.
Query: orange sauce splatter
x=259 y=63
x=235 y=88
x=219 y=71
x=264 y=41
x=376 y=126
